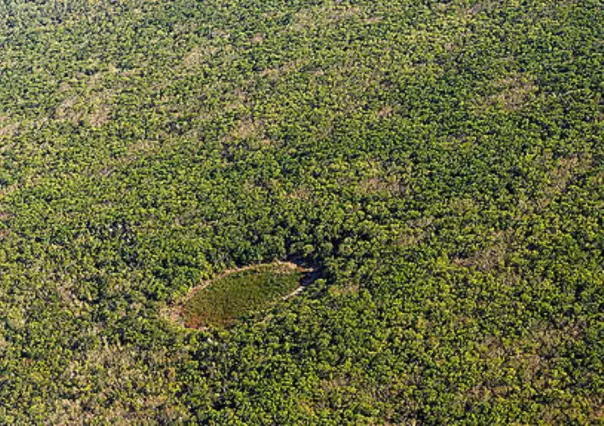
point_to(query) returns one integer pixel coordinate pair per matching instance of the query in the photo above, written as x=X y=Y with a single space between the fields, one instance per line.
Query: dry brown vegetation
x=511 y=93
x=7 y=128
x=247 y=128
x=198 y=55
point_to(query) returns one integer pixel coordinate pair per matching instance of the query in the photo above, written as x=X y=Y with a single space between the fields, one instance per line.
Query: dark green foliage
x=441 y=161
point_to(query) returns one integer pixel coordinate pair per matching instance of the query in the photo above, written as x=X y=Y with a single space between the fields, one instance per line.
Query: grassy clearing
x=221 y=302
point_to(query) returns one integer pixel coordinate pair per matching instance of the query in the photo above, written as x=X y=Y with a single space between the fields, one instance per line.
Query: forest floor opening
x=218 y=303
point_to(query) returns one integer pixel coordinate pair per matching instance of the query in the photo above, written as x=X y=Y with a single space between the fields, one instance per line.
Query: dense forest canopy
x=440 y=161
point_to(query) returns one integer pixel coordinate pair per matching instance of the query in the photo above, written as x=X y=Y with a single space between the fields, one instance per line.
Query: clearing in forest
x=220 y=302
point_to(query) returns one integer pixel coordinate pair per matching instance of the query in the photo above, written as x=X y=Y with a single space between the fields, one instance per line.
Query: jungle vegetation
x=441 y=162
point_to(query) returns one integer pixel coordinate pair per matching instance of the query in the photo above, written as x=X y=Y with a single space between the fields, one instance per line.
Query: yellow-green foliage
x=441 y=161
